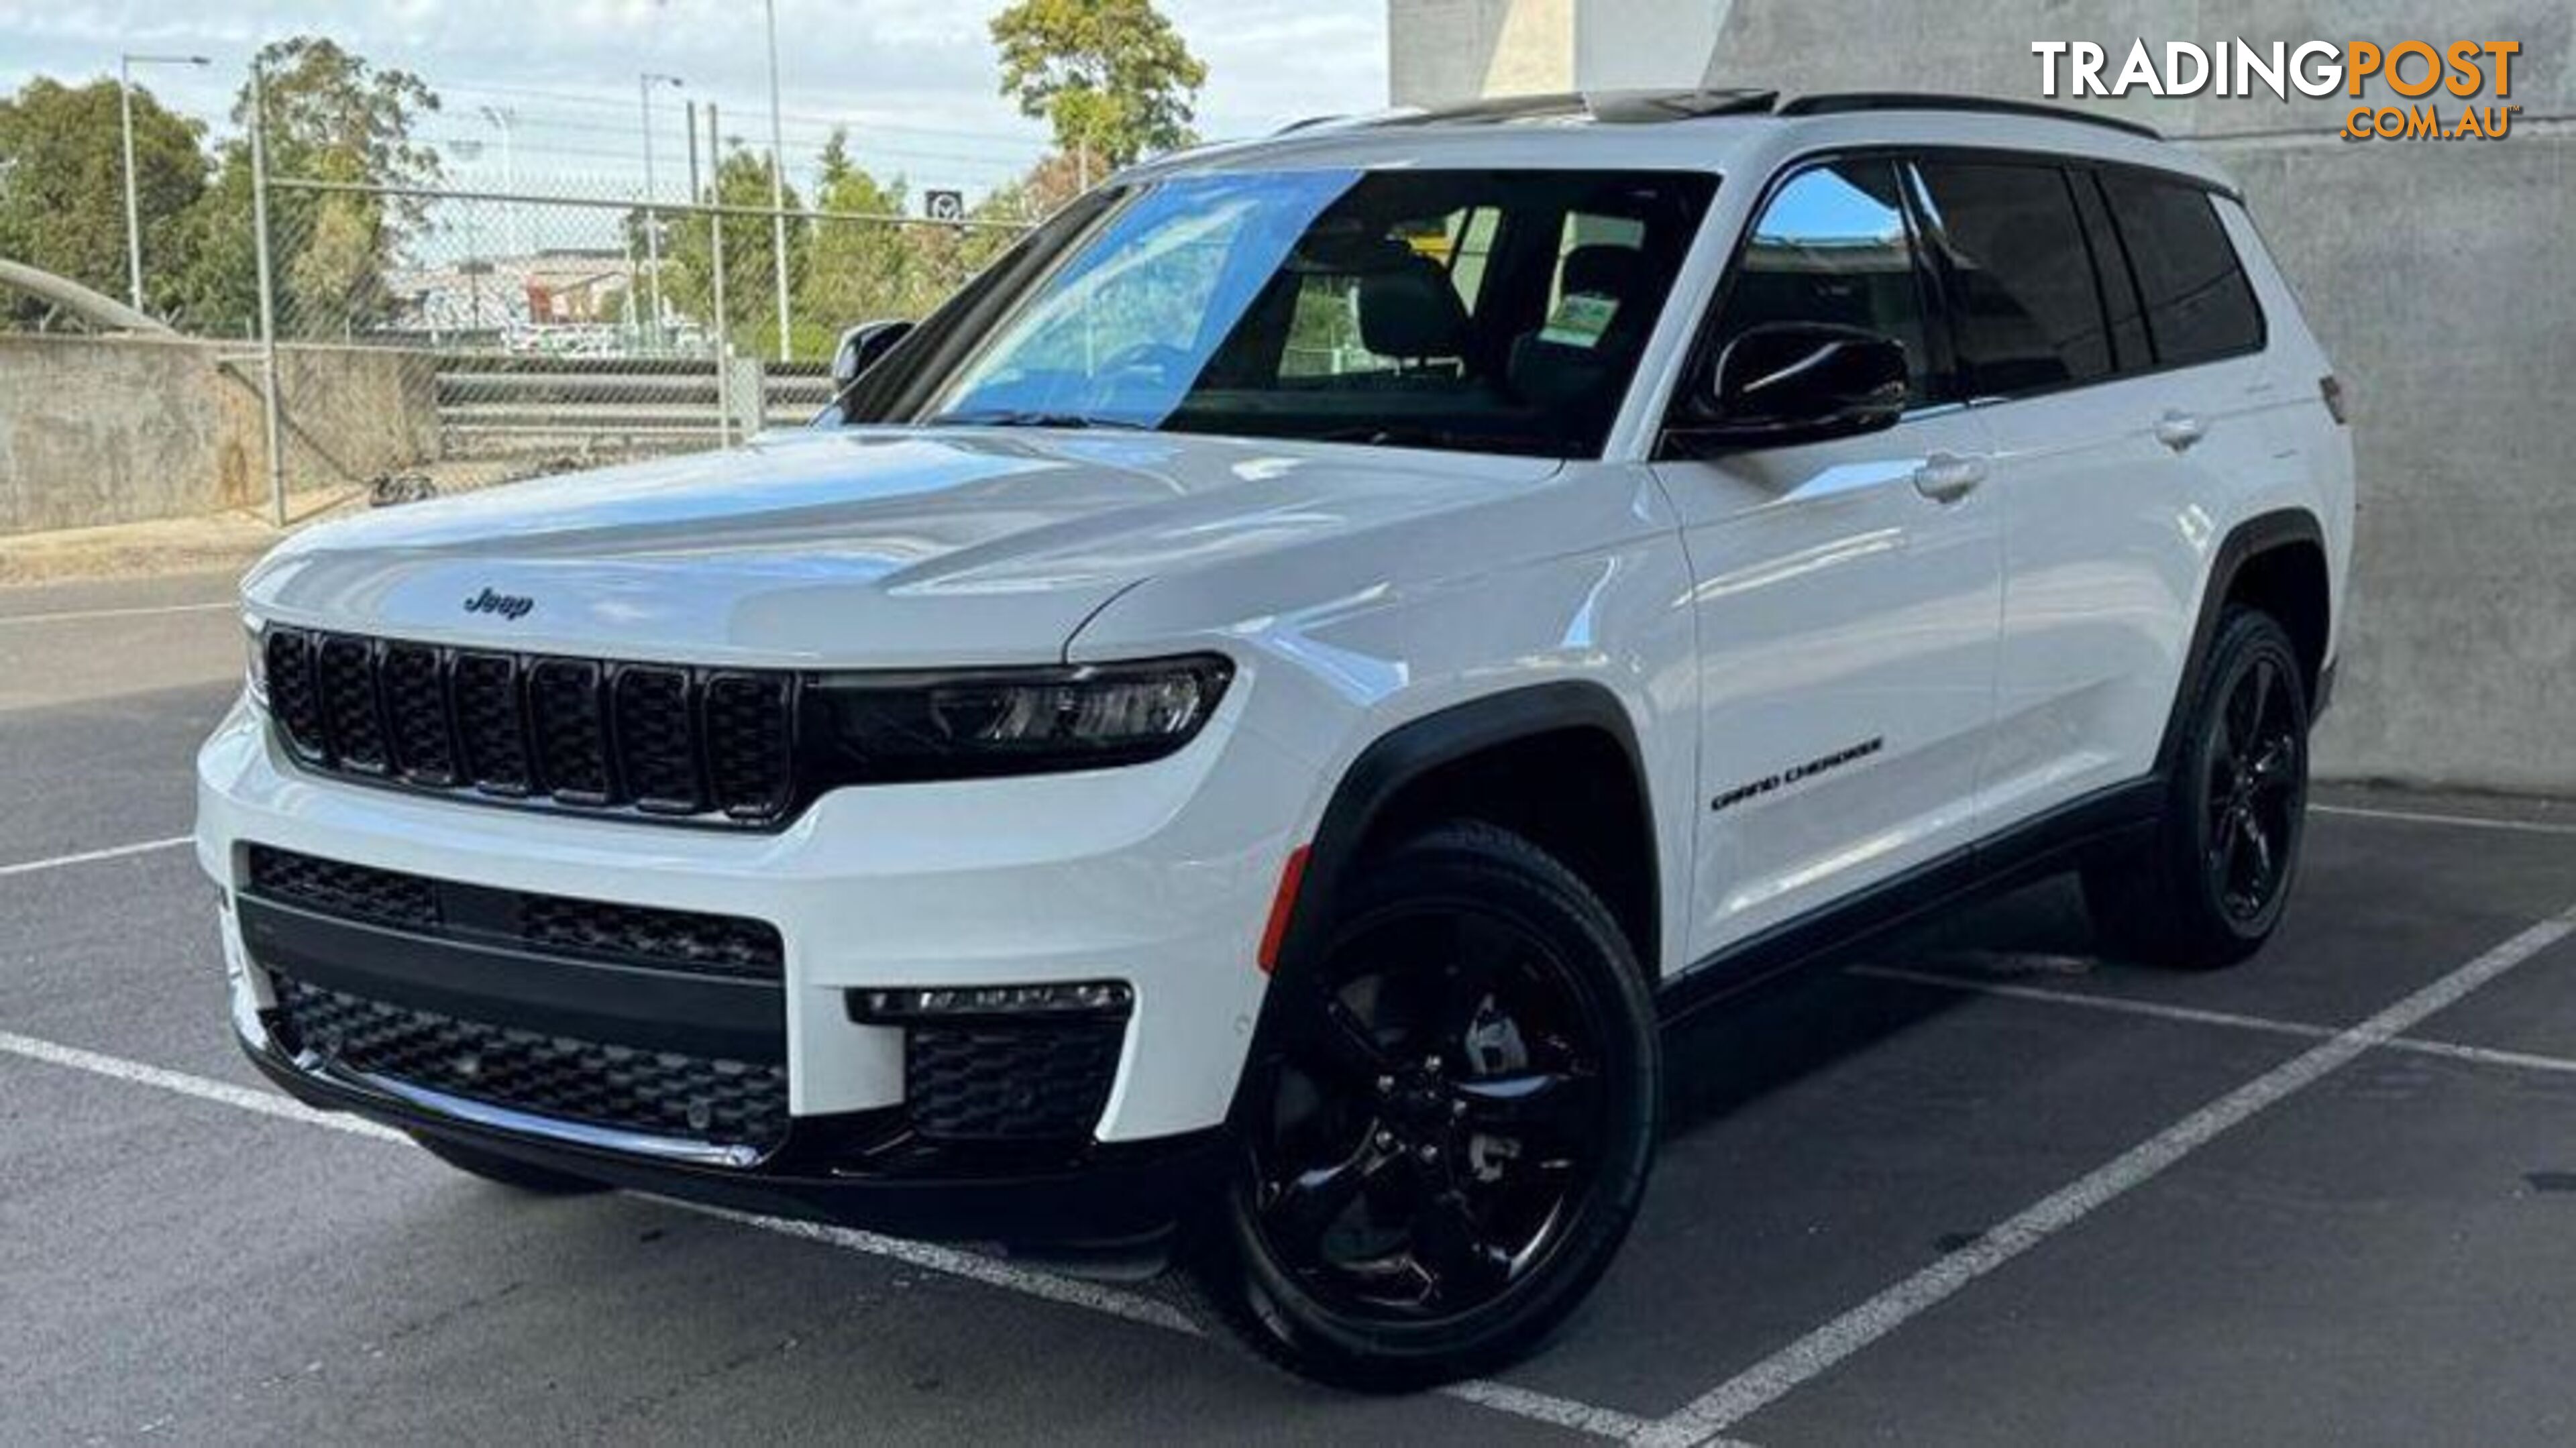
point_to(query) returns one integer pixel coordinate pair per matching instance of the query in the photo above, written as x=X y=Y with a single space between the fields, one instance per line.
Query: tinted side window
x=2199 y=305
x=1832 y=245
x=2024 y=307
x=2129 y=349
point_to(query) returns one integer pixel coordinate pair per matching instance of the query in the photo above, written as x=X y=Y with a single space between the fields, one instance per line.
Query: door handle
x=2178 y=430
x=1948 y=477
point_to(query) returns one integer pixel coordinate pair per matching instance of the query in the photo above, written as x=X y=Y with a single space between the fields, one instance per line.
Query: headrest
x=1412 y=311
x=1600 y=270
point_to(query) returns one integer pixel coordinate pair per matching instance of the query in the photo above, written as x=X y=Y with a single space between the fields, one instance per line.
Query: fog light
x=896 y=1006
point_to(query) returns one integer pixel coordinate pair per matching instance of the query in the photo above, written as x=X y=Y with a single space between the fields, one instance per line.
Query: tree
x=750 y=259
x=332 y=117
x=1043 y=190
x=1112 y=77
x=62 y=189
x=859 y=270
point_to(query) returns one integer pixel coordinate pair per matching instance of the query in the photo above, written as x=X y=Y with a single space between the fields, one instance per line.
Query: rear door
x=1847 y=591
x=2111 y=428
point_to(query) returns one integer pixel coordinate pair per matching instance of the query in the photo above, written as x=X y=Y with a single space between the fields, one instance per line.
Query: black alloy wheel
x=2208 y=886
x=2256 y=791
x=1448 y=1123
x=1431 y=1126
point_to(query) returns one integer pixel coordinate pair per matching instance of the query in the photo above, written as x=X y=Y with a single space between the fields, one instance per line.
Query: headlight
x=884 y=728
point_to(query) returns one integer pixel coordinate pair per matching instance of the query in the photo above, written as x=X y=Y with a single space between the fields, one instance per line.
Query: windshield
x=1494 y=311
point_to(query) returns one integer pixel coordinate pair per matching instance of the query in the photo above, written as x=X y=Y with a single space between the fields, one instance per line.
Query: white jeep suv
x=1230 y=737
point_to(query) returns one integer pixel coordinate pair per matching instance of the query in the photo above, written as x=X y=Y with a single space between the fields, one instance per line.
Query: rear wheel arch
x=2273 y=562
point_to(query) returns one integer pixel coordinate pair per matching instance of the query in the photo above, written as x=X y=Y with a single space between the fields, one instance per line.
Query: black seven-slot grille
x=627 y=1088
x=683 y=940
x=713 y=744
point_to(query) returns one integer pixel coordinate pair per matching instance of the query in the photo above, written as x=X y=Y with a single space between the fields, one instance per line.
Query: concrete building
x=2442 y=273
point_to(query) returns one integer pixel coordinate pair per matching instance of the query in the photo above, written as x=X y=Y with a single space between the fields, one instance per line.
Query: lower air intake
x=1009 y=1082
x=623 y=1088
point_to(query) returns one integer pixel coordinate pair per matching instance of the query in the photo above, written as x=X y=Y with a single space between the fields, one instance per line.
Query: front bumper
x=1157 y=876
x=1112 y=1195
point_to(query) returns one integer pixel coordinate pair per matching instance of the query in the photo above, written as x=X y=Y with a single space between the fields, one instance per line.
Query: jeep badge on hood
x=508 y=605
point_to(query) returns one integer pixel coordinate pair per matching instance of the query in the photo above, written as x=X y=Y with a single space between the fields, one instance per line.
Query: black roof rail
x=1837 y=103
x=1677 y=105
x=1494 y=108
x=1616 y=106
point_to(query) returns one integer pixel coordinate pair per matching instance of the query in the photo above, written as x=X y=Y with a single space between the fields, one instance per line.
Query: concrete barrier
x=97 y=430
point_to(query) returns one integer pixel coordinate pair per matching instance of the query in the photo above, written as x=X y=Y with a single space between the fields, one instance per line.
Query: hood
x=845 y=547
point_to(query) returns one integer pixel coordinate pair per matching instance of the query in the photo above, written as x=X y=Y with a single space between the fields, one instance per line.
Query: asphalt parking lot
x=1981 y=1188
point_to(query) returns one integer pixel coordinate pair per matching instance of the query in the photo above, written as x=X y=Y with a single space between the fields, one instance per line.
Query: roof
x=1745 y=131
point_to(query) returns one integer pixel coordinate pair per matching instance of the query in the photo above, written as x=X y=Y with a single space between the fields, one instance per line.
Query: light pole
x=505 y=119
x=469 y=152
x=653 y=222
x=777 y=188
x=133 y=208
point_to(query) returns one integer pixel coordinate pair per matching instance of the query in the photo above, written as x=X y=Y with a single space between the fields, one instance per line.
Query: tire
x=1448 y=1122
x=507 y=1171
x=2209 y=886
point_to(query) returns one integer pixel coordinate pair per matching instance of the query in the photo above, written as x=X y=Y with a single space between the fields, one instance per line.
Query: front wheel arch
x=1380 y=797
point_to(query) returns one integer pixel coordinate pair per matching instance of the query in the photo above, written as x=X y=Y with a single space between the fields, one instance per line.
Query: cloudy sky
x=913 y=79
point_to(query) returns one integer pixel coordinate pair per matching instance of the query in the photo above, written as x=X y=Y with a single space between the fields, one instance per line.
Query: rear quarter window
x=2199 y=305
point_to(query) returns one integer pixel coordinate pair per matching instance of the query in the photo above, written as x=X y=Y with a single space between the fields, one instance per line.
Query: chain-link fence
x=435 y=340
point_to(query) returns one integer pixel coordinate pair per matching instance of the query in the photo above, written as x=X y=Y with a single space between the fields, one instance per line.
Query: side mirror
x=1793 y=382
x=862 y=347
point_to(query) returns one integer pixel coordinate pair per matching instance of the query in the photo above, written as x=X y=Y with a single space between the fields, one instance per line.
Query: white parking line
x=2468 y=822
x=85 y=615
x=2193 y=1015
x=2486 y=1055
x=1820 y=1351
x=266 y=1103
x=113 y=852
x=993 y=1272
x=1109 y=1301
x=1135 y=1307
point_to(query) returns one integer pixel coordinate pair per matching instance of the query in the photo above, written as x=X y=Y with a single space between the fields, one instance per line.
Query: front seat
x=1567 y=362
x=1410 y=312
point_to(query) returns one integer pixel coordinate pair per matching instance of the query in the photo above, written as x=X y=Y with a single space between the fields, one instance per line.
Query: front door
x=1847 y=592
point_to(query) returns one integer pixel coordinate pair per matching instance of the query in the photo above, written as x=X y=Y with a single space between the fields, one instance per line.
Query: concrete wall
x=354 y=412
x=1440 y=51
x=2442 y=275
x=2443 y=281
x=97 y=430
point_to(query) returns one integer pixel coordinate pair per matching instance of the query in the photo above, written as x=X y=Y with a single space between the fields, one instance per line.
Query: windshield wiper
x=1409 y=434
x=1031 y=417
